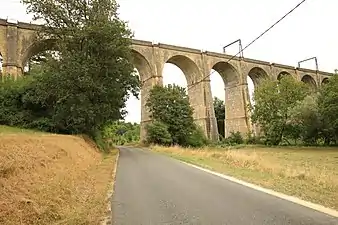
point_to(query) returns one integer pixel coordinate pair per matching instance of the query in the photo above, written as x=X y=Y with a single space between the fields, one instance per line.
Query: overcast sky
x=309 y=31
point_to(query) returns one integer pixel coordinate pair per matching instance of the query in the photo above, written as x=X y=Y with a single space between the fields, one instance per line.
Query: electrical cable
x=194 y=84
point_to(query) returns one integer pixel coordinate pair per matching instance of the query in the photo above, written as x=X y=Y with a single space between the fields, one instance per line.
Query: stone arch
x=35 y=48
x=325 y=81
x=188 y=66
x=307 y=79
x=235 y=118
x=142 y=65
x=145 y=72
x=283 y=74
x=195 y=89
x=228 y=73
x=257 y=75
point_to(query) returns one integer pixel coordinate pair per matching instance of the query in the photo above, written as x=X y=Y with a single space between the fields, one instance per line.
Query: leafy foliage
x=157 y=133
x=305 y=121
x=197 y=138
x=82 y=85
x=219 y=108
x=12 y=109
x=328 y=108
x=235 y=138
x=120 y=133
x=85 y=85
x=252 y=139
x=287 y=110
x=273 y=101
x=170 y=106
x=88 y=84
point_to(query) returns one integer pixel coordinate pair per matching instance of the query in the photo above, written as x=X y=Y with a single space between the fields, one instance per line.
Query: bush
x=101 y=143
x=171 y=106
x=157 y=133
x=196 y=138
x=273 y=101
x=12 y=109
x=235 y=138
x=251 y=139
x=121 y=132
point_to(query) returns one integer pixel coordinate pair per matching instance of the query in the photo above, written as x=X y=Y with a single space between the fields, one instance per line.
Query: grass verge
x=5 y=130
x=308 y=173
x=52 y=179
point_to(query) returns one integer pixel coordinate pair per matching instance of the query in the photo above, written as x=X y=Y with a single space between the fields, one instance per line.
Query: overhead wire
x=254 y=40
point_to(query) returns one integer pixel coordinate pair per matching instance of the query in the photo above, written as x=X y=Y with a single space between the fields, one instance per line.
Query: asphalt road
x=154 y=189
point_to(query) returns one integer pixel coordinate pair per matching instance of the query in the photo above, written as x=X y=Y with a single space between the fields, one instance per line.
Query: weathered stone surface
x=18 y=43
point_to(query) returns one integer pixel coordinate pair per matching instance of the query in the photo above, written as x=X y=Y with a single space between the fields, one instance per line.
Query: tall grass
x=308 y=173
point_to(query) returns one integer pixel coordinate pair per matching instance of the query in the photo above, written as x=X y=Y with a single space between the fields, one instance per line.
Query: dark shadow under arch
x=144 y=70
x=283 y=74
x=325 y=81
x=257 y=75
x=142 y=65
x=307 y=79
x=228 y=73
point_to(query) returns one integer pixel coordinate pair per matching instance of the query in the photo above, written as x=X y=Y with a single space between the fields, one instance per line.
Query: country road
x=154 y=189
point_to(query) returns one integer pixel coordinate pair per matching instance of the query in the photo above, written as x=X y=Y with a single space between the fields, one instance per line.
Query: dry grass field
x=308 y=173
x=52 y=179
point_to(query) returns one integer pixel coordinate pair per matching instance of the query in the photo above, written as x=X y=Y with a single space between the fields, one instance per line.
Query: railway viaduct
x=18 y=44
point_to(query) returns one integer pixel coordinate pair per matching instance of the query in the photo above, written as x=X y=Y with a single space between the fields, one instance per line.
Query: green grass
x=16 y=130
x=308 y=173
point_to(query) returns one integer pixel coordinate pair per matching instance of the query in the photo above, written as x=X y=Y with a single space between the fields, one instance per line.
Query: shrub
x=196 y=138
x=235 y=138
x=121 y=132
x=157 y=133
x=171 y=106
x=12 y=110
x=252 y=139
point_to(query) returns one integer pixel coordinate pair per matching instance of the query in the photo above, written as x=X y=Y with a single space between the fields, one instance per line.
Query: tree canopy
x=121 y=132
x=328 y=108
x=219 y=108
x=170 y=106
x=273 y=101
x=83 y=84
x=88 y=83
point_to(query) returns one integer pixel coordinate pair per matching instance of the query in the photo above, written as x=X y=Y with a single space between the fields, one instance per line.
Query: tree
x=219 y=108
x=273 y=101
x=12 y=111
x=305 y=120
x=87 y=85
x=157 y=133
x=120 y=132
x=170 y=106
x=328 y=108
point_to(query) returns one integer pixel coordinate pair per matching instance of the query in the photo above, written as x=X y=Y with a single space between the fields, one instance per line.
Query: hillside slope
x=52 y=179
